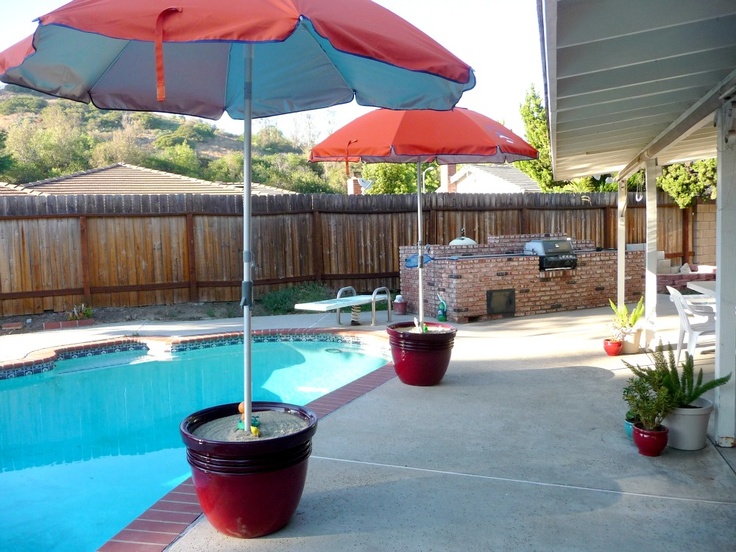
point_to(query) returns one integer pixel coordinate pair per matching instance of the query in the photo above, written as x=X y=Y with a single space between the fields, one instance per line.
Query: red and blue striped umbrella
x=247 y=58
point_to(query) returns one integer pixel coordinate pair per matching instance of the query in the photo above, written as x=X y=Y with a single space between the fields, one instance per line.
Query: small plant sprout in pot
x=625 y=326
x=688 y=420
x=649 y=400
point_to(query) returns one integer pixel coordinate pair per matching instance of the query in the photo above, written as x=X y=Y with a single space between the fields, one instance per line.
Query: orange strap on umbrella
x=159 y=46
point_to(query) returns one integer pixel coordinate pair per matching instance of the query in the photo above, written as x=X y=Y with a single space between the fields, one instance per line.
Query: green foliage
x=6 y=160
x=399 y=178
x=683 y=387
x=689 y=181
x=534 y=116
x=187 y=133
x=181 y=159
x=624 y=322
x=22 y=104
x=270 y=140
x=282 y=301
x=156 y=122
x=648 y=398
x=228 y=168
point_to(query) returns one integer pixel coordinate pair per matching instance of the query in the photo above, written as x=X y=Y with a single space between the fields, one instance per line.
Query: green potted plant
x=688 y=421
x=649 y=399
x=624 y=326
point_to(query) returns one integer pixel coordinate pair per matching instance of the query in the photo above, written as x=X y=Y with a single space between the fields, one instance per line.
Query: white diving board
x=347 y=301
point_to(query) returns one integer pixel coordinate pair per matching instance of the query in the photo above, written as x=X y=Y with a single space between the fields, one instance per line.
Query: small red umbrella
x=423 y=135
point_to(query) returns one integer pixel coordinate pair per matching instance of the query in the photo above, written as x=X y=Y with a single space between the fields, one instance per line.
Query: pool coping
x=170 y=517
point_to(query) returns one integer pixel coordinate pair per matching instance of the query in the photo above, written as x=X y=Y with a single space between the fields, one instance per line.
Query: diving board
x=347 y=301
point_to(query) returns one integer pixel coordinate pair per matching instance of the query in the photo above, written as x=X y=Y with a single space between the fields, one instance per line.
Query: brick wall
x=463 y=280
x=704 y=234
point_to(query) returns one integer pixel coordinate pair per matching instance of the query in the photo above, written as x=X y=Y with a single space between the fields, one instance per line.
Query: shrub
x=282 y=301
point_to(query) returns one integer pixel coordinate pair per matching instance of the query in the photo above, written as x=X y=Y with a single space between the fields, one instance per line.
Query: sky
x=498 y=38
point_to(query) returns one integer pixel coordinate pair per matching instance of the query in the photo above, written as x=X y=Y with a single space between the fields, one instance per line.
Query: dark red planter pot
x=421 y=358
x=249 y=489
x=650 y=442
x=612 y=348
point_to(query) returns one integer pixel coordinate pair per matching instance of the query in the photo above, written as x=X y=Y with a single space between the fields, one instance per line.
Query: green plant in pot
x=688 y=421
x=649 y=400
x=624 y=326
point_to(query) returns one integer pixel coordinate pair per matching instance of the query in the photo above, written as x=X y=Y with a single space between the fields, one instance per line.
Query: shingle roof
x=128 y=179
x=494 y=178
x=13 y=189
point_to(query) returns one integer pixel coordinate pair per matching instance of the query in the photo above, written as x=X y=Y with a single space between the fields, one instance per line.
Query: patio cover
x=632 y=84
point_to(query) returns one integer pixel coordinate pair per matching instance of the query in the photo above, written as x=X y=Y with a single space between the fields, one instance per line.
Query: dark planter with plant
x=421 y=357
x=688 y=421
x=249 y=488
x=650 y=401
x=624 y=326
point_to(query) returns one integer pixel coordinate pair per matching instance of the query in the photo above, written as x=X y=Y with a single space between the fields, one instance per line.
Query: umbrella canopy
x=423 y=135
x=186 y=57
x=249 y=58
x=447 y=137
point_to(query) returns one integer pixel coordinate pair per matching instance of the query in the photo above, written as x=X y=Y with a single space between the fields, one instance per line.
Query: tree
x=534 y=116
x=6 y=160
x=689 y=181
x=398 y=178
x=121 y=147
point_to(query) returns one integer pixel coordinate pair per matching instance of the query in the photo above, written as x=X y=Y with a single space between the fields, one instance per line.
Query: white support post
x=650 y=282
x=621 y=245
x=724 y=414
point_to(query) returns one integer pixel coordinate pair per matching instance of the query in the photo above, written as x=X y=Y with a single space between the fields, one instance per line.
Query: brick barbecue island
x=496 y=280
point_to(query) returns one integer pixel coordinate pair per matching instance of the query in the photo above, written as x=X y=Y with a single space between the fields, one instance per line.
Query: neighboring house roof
x=128 y=179
x=13 y=189
x=490 y=178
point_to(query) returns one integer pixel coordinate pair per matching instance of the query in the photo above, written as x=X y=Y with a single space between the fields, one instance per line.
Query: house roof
x=12 y=189
x=630 y=81
x=122 y=178
x=493 y=178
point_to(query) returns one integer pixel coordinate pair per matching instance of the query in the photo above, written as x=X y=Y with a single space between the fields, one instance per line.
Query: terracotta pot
x=612 y=347
x=689 y=425
x=650 y=442
x=251 y=488
x=421 y=358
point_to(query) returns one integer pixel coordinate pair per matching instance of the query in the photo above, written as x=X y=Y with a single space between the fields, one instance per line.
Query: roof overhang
x=628 y=81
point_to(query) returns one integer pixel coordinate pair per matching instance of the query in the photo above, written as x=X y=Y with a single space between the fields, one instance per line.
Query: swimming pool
x=74 y=438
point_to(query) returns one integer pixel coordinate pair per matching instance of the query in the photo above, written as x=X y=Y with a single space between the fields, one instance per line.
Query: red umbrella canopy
x=185 y=56
x=392 y=136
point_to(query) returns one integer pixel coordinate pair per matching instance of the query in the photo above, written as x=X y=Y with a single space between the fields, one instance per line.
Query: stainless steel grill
x=554 y=254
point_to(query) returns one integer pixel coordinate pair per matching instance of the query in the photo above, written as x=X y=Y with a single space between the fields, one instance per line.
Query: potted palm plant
x=624 y=326
x=649 y=400
x=688 y=421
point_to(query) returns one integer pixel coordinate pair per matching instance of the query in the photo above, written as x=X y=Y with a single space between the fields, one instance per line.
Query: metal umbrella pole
x=246 y=300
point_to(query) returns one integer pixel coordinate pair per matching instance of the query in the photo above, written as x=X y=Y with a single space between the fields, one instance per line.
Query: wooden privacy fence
x=133 y=250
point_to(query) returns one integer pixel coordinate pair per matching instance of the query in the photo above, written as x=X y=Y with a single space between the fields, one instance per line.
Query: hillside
x=44 y=137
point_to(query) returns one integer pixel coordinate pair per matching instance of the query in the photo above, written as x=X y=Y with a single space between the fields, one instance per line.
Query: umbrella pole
x=420 y=259
x=246 y=300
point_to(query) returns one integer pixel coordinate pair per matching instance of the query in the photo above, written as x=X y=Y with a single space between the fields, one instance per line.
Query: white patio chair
x=697 y=317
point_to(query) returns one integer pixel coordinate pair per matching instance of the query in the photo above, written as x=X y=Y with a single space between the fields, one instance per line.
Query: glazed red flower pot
x=612 y=347
x=650 y=442
x=421 y=358
x=250 y=488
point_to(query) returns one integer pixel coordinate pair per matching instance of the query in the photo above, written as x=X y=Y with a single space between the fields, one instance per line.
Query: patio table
x=707 y=287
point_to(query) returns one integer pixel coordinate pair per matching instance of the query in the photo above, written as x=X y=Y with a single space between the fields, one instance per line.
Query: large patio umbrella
x=423 y=136
x=249 y=58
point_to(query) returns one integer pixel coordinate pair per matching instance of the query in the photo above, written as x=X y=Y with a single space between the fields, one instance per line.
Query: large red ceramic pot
x=421 y=358
x=249 y=488
x=650 y=442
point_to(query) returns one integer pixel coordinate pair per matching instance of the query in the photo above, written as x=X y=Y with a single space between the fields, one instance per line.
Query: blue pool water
x=87 y=447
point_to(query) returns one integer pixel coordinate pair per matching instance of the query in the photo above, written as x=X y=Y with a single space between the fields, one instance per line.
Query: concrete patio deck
x=521 y=447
